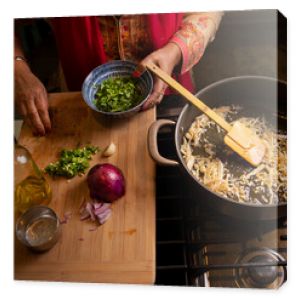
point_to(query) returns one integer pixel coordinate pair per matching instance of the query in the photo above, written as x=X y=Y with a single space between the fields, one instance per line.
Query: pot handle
x=152 y=143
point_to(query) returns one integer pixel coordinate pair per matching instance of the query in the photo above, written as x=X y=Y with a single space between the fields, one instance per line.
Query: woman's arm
x=185 y=48
x=30 y=94
x=166 y=58
x=196 y=32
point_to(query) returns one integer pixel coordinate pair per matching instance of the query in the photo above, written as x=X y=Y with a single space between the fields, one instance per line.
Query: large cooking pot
x=260 y=96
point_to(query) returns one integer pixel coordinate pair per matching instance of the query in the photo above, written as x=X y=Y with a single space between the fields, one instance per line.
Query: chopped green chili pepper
x=72 y=162
x=117 y=94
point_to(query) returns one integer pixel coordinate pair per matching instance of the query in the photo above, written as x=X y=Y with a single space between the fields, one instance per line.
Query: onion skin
x=106 y=183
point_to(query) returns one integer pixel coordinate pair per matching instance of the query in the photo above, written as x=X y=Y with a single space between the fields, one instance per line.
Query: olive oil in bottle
x=31 y=188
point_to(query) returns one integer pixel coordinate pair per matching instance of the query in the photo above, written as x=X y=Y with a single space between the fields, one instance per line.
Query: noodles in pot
x=219 y=169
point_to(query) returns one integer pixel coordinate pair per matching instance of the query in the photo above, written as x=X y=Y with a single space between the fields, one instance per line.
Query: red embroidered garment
x=80 y=44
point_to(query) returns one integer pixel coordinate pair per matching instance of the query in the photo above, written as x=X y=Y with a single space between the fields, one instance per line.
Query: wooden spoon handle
x=188 y=95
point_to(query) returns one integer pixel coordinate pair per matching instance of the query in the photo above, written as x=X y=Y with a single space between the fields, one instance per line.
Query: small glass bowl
x=38 y=228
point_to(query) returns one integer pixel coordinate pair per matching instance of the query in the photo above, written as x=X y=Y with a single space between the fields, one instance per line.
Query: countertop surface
x=123 y=249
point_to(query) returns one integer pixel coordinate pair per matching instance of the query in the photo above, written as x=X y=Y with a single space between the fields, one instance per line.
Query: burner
x=261 y=268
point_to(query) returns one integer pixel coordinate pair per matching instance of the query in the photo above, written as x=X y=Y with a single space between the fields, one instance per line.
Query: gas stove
x=198 y=246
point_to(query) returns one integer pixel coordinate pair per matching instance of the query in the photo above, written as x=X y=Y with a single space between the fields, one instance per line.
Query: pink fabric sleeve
x=196 y=31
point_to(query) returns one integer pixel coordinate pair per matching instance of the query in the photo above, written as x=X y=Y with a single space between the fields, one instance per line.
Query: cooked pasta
x=219 y=169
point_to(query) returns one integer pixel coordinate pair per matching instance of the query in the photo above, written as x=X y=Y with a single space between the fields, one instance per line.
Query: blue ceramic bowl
x=116 y=68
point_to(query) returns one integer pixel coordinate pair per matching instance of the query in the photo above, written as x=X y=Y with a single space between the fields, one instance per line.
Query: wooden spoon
x=239 y=138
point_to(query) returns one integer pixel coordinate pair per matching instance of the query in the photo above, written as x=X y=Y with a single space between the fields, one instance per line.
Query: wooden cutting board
x=123 y=249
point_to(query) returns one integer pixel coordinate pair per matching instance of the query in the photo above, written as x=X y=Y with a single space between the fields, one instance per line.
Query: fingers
x=23 y=112
x=32 y=101
x=42 y=108
x=157 y=94
x=154 y=99
x=159 y=58
x=34 y=119
x=149 y=58
x=37 y=115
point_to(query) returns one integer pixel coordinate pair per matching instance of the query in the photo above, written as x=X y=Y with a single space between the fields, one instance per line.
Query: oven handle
x=152 y=143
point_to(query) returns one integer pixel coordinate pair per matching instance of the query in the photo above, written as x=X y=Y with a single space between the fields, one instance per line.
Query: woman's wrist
x=174 y=53
x=21 y=66
x=20 y=58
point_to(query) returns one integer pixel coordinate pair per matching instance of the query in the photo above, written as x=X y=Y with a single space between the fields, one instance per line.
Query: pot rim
x=177 y=128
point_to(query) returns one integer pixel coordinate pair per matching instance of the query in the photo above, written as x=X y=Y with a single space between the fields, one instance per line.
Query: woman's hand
x=165 y=58
x=31 y=99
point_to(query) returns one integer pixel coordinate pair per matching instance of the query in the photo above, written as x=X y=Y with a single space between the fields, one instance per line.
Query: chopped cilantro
x=72 y=162
x=117 y=94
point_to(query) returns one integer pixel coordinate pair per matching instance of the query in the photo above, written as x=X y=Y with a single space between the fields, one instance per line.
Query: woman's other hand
x=165 y=58
x=31 y=99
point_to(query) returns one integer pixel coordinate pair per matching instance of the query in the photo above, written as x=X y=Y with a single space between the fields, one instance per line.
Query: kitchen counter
x=123 y=249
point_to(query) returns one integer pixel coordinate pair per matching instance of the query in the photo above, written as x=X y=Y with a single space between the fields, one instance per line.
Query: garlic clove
x=109 y=150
